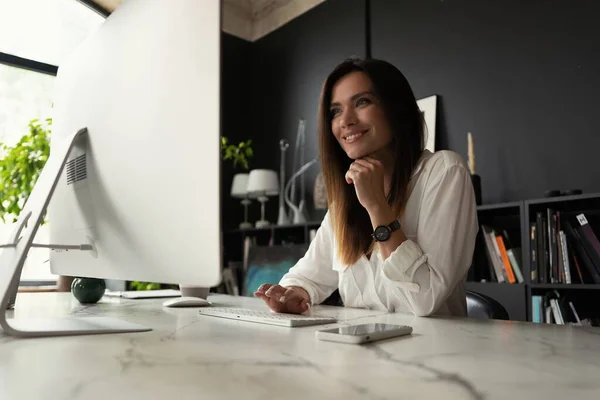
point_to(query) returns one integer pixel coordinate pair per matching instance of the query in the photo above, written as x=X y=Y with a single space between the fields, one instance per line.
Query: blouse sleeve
x=314 y=271
x=425 y=272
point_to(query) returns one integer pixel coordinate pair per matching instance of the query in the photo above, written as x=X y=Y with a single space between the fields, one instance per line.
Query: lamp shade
x=262 y=182
x=239 y=186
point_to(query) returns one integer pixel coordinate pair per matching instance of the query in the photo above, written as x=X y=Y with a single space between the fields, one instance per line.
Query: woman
x=401 y=226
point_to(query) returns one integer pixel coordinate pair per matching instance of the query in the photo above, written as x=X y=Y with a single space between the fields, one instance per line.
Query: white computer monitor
x=141 y=183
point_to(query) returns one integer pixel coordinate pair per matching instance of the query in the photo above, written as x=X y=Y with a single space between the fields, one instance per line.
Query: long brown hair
x=351 y=222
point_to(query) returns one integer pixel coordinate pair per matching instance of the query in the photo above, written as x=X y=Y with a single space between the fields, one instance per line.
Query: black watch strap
x=383 y=232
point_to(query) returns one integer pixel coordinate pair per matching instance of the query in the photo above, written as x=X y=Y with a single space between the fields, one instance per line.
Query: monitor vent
x=76 y=170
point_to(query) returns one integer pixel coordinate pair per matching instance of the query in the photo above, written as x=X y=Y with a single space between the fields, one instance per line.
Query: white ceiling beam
x=248 y=19
x=270 y=15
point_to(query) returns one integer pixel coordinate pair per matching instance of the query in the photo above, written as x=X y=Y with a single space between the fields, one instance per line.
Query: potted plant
x=20 y=168
x=239 y=153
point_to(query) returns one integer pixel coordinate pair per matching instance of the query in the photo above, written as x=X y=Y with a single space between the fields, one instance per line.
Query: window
x=46 y=31
x=24 y=95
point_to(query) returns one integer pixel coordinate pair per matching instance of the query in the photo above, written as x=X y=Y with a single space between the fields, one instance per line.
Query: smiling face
x=358 y=121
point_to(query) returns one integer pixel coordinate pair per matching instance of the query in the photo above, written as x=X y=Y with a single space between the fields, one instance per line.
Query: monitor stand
x=13 y=255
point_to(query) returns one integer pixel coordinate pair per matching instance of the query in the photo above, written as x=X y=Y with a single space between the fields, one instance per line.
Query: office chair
x=334 y=300
x=484 y=307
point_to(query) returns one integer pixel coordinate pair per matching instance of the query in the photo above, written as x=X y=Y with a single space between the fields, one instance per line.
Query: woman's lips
x=353 y=137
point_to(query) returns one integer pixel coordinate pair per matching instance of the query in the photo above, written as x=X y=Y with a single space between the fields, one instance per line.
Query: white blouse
x=425 y=275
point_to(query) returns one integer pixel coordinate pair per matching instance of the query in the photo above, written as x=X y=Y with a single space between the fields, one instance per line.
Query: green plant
x=137 y=285
x=20 y=167
x=239 y=153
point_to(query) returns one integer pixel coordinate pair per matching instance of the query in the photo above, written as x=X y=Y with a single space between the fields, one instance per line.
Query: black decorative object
x=476 y=180
x=558 y=193
x=88 y=290
x=552 y=193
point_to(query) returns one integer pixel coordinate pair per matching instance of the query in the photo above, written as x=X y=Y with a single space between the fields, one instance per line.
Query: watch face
x=381 y=233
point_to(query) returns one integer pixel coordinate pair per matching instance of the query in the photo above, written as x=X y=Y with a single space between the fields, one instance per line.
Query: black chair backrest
x=482 y=306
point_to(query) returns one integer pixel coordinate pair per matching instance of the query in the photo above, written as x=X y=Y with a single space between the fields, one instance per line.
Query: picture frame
x=428 y=107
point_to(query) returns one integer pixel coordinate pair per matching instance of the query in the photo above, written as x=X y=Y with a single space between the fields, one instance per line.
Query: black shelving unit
x=517 y=298
x=561 y=286
x=481 y=279
x=507 y=216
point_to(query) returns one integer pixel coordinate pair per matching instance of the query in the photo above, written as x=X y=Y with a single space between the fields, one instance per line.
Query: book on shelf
x=534 y=254
x=564 y=248
x=513 y=254
x=503 y=258
x=557 y=308
x=542 y=248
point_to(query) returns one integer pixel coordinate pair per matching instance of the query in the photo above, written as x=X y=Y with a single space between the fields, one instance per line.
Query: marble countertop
x=200 y=357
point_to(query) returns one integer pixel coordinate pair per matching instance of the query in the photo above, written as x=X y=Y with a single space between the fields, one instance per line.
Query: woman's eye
x=363 y=101
x=334 y=112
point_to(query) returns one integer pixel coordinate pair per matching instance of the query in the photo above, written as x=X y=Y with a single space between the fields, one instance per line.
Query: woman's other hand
x=293 y=300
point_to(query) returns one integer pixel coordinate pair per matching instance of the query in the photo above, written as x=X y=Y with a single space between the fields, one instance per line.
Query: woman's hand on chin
x=366 y=174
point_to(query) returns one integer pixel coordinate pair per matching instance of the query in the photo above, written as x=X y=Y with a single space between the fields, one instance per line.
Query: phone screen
x=359 y=330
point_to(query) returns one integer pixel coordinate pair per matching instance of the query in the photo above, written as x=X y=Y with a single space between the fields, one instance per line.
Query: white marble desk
x=187 y=356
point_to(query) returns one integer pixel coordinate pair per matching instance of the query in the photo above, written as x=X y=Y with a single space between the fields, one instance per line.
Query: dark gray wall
x=289 y=67
x=236 y=78
x=522 y=76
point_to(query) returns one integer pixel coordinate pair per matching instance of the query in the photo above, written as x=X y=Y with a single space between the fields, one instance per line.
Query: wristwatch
x=383 y=232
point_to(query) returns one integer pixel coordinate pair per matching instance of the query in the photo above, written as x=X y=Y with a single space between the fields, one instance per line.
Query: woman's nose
x=348 y=118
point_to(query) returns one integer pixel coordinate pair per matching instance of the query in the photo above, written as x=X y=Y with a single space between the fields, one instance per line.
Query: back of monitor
x=143 y=185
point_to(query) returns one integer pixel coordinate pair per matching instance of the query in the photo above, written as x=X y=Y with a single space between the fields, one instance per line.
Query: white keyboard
x=265 y=317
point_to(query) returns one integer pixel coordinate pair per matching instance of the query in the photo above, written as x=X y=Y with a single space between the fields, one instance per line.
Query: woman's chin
x=355 y=154
x=364 y=151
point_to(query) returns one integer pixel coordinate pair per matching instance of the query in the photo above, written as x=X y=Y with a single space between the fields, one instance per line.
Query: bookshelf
x=542 y=279
x=508 y=220
x=560 y=286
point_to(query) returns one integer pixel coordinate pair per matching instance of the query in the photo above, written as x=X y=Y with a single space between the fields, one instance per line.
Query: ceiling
x=248 y=19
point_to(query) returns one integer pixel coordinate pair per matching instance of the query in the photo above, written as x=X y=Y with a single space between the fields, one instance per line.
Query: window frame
x=25 y=63
x=37 y=66
x=95 y=7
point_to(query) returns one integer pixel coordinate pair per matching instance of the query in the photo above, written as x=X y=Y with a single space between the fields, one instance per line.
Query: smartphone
x=365 y=333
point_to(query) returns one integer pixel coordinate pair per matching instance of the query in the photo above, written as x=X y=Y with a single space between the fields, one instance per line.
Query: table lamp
x=261 y=184
x=239 y=191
